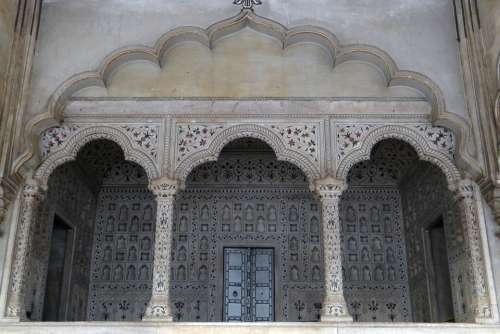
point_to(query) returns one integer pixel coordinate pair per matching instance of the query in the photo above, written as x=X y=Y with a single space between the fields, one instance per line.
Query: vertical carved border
x=334 y=305
x=158 y=308
x=32 y=195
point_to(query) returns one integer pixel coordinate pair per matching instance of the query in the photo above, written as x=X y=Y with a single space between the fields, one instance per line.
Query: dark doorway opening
x=439 y=274
x=59 y=272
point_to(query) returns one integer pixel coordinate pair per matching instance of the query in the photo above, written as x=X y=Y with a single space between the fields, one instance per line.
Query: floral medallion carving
x=194 y=138
x=53 y=138
x=439 y=138
x=301 y=138
x=144 y=137
x=350 y=137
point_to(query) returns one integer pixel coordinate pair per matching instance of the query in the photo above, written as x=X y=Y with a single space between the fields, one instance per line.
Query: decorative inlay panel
x=350 y=137
x=390 y=162
x=122 y=260
x=144 y=137
x=238 y=170
x=439 y=138
x=374 y=256
x=53 y=138
x=73 y=201
x=192 y=138
x=300 y=138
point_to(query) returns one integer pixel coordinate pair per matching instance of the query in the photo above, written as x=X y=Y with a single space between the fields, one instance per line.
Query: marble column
x=32 y=197
x=478 y=265
x=158 y=308
x=334 y=305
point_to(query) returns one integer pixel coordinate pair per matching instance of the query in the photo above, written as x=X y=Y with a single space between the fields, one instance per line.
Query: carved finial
x=247 y=4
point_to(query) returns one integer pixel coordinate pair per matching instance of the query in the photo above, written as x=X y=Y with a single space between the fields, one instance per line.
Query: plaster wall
x=248 y=64
x=75 y=36
x=7 y=17
x=494 y=246
x=489 y=13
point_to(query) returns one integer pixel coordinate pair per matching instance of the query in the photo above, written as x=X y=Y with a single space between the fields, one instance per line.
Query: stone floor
x=246 y=328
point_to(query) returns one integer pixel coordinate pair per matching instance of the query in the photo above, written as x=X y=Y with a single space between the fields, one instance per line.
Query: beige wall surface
x=489 y=11
x=76 y=35
x=7 y=17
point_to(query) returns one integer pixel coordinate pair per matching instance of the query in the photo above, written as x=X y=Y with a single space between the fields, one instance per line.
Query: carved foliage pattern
x=145 y=137
x=20 y=276
x=301 y=138
x=71 y=199
x=122 y=262
x=439 y=138
x=206 y=220
x=467 y=203
x=238 y=170
x=350 y=137
x=374 y=257
x=194 y=138
x=53 y=138
x=425 y=198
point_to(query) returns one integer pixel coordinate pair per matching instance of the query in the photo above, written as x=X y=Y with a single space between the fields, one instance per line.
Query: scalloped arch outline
x=287 y=36
x=212 y=152
x=424 y=151
x=69 y=151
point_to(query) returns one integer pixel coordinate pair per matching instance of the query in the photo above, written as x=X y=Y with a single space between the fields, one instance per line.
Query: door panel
x=248 y=284
x=236 y=269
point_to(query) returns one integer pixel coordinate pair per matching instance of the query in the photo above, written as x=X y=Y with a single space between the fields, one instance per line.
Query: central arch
x=212 y=152
x=246 y=206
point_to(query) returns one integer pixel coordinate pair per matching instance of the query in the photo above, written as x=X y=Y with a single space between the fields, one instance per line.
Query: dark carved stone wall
x=69 y=197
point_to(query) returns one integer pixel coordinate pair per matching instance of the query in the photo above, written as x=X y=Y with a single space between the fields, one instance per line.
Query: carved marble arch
x=417 y=141
x=286 y=37
x=70 y=148
x=212 y=152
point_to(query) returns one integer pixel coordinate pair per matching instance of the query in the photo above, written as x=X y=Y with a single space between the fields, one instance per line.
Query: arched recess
x=286 y=37
x=417 y=141
x=246 y=131
x=72 y=146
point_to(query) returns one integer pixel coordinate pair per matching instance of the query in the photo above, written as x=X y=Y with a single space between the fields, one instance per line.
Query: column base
x=158 y=311
x=335 y=311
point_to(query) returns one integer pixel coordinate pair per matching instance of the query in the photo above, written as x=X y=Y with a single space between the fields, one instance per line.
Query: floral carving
x=440 y=138
x=194 y=138
x=145 y=137
x=53 y=138
x=350 y=137
x=159 y=305
x=334 y=305
x=32 y=196
x=301 y=138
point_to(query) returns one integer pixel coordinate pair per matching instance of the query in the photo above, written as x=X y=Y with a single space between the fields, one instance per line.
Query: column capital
x=330 y=187
x=464 y=189
x=34 y=189
x=164 y=187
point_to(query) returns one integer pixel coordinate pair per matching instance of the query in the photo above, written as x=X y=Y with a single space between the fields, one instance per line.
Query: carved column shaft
x=32 y=196
x=159 y=306
x=334 y=305
x=483 y=308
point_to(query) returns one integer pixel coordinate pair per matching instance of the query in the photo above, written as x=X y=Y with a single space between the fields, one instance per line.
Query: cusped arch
x=69 y=151
x=246 y=131
x=339 y=53
x=419 y=143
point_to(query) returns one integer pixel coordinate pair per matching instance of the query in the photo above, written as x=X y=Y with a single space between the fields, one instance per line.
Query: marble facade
x=250 y=133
